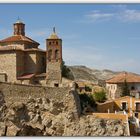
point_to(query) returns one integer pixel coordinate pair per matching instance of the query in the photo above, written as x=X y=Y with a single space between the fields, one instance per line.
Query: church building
x=22 y=61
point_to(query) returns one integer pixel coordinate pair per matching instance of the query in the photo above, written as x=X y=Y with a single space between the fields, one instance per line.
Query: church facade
x=22 y=61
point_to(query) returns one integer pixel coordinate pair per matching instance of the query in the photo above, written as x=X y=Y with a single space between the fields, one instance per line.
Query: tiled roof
x=53 y=36
x=41 y=75
x=26 y=76
x=18 y=38
x=121 y=77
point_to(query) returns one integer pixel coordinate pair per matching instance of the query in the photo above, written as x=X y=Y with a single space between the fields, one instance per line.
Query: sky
x=99 y=36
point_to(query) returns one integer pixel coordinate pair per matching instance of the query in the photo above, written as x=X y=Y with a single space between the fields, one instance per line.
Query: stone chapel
x=23 y=62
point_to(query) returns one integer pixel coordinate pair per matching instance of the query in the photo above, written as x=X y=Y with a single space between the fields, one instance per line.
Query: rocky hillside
x=87 y=74
x=43 y=117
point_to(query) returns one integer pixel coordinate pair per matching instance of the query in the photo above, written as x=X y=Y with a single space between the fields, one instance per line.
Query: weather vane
x=54 y=29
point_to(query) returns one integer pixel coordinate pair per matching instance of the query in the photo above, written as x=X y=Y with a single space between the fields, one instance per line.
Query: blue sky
x=100 y=36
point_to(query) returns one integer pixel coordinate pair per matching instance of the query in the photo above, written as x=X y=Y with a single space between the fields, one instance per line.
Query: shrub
x=65 y=70
x=87 y=88
x=99 y=96
x=86 y=99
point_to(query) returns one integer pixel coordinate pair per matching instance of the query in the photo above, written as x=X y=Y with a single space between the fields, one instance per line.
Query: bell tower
x=19 y=28
x=54 y=60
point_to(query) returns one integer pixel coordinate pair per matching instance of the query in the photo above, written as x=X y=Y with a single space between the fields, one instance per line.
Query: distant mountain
x=87 y=74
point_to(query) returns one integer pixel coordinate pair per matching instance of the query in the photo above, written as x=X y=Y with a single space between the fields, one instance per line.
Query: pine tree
x=65 y=70
x=125 y=89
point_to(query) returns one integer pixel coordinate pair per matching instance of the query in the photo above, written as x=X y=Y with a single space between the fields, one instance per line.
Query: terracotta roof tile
x=18 y=38
x=26 y=76
x=121 y=77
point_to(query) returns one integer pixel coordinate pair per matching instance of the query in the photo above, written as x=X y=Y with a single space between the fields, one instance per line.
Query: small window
x=124 y=105
x=50 y=43
x=56 y=54
x=49 y=55
x=56 y=42
x=56 y=85
x=132 y=88
x=136 y=114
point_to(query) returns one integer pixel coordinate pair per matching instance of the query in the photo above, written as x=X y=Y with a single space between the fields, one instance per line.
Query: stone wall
x=53 y=73
x=30 y=62
x=41 y=62
x=20 y=62
x=15 y=44
x=21 y=93
x=8 y=65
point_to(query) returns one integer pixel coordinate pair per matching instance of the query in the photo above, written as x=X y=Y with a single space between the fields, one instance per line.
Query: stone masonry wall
x=21 y=93
x=41 y=62
x=20 y=62
x=8 y=65
x=30 y=62
x=53 y=73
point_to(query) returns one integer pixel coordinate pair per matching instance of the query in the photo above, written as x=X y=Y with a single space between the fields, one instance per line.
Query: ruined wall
x=21 y=93
x=8 y=65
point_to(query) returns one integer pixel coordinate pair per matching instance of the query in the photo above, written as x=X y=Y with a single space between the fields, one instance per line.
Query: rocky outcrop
x=46 y=117
x=88 y=74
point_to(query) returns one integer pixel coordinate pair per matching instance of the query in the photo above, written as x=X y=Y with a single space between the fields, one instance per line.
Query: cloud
x=97 y=15
x=129 y=15
x=121 y=13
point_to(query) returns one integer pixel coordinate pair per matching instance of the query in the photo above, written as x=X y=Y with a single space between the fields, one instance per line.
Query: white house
x=114 y=85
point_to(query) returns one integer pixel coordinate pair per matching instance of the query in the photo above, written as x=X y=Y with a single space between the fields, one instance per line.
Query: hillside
x=88 y=74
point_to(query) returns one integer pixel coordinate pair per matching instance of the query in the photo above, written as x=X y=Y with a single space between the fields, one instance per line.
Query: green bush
x=65 y=70
x=86 y=99
x=99 y=96
x=87 y=88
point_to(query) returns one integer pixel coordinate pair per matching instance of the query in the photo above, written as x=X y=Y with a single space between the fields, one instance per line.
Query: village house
x=115 y=84
x=130 y=105
x=22 y=61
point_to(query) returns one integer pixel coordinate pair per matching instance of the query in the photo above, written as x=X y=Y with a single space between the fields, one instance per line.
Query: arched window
x=49 y=55
x=56 y=54
x=56 y=42
x=50 y=43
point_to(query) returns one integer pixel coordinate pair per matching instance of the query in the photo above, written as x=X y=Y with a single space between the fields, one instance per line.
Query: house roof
x=18 y=38
x=26 y=76
x=121 y=77
x=41 y=75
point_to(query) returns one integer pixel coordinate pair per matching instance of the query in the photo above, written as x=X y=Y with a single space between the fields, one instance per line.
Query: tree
x=86 y=100
x=125 y=89
x=65 y=70
x=99 y=96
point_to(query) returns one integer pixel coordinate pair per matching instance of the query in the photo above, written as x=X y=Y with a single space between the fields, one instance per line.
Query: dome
x=53 y=35
x=19 y=21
